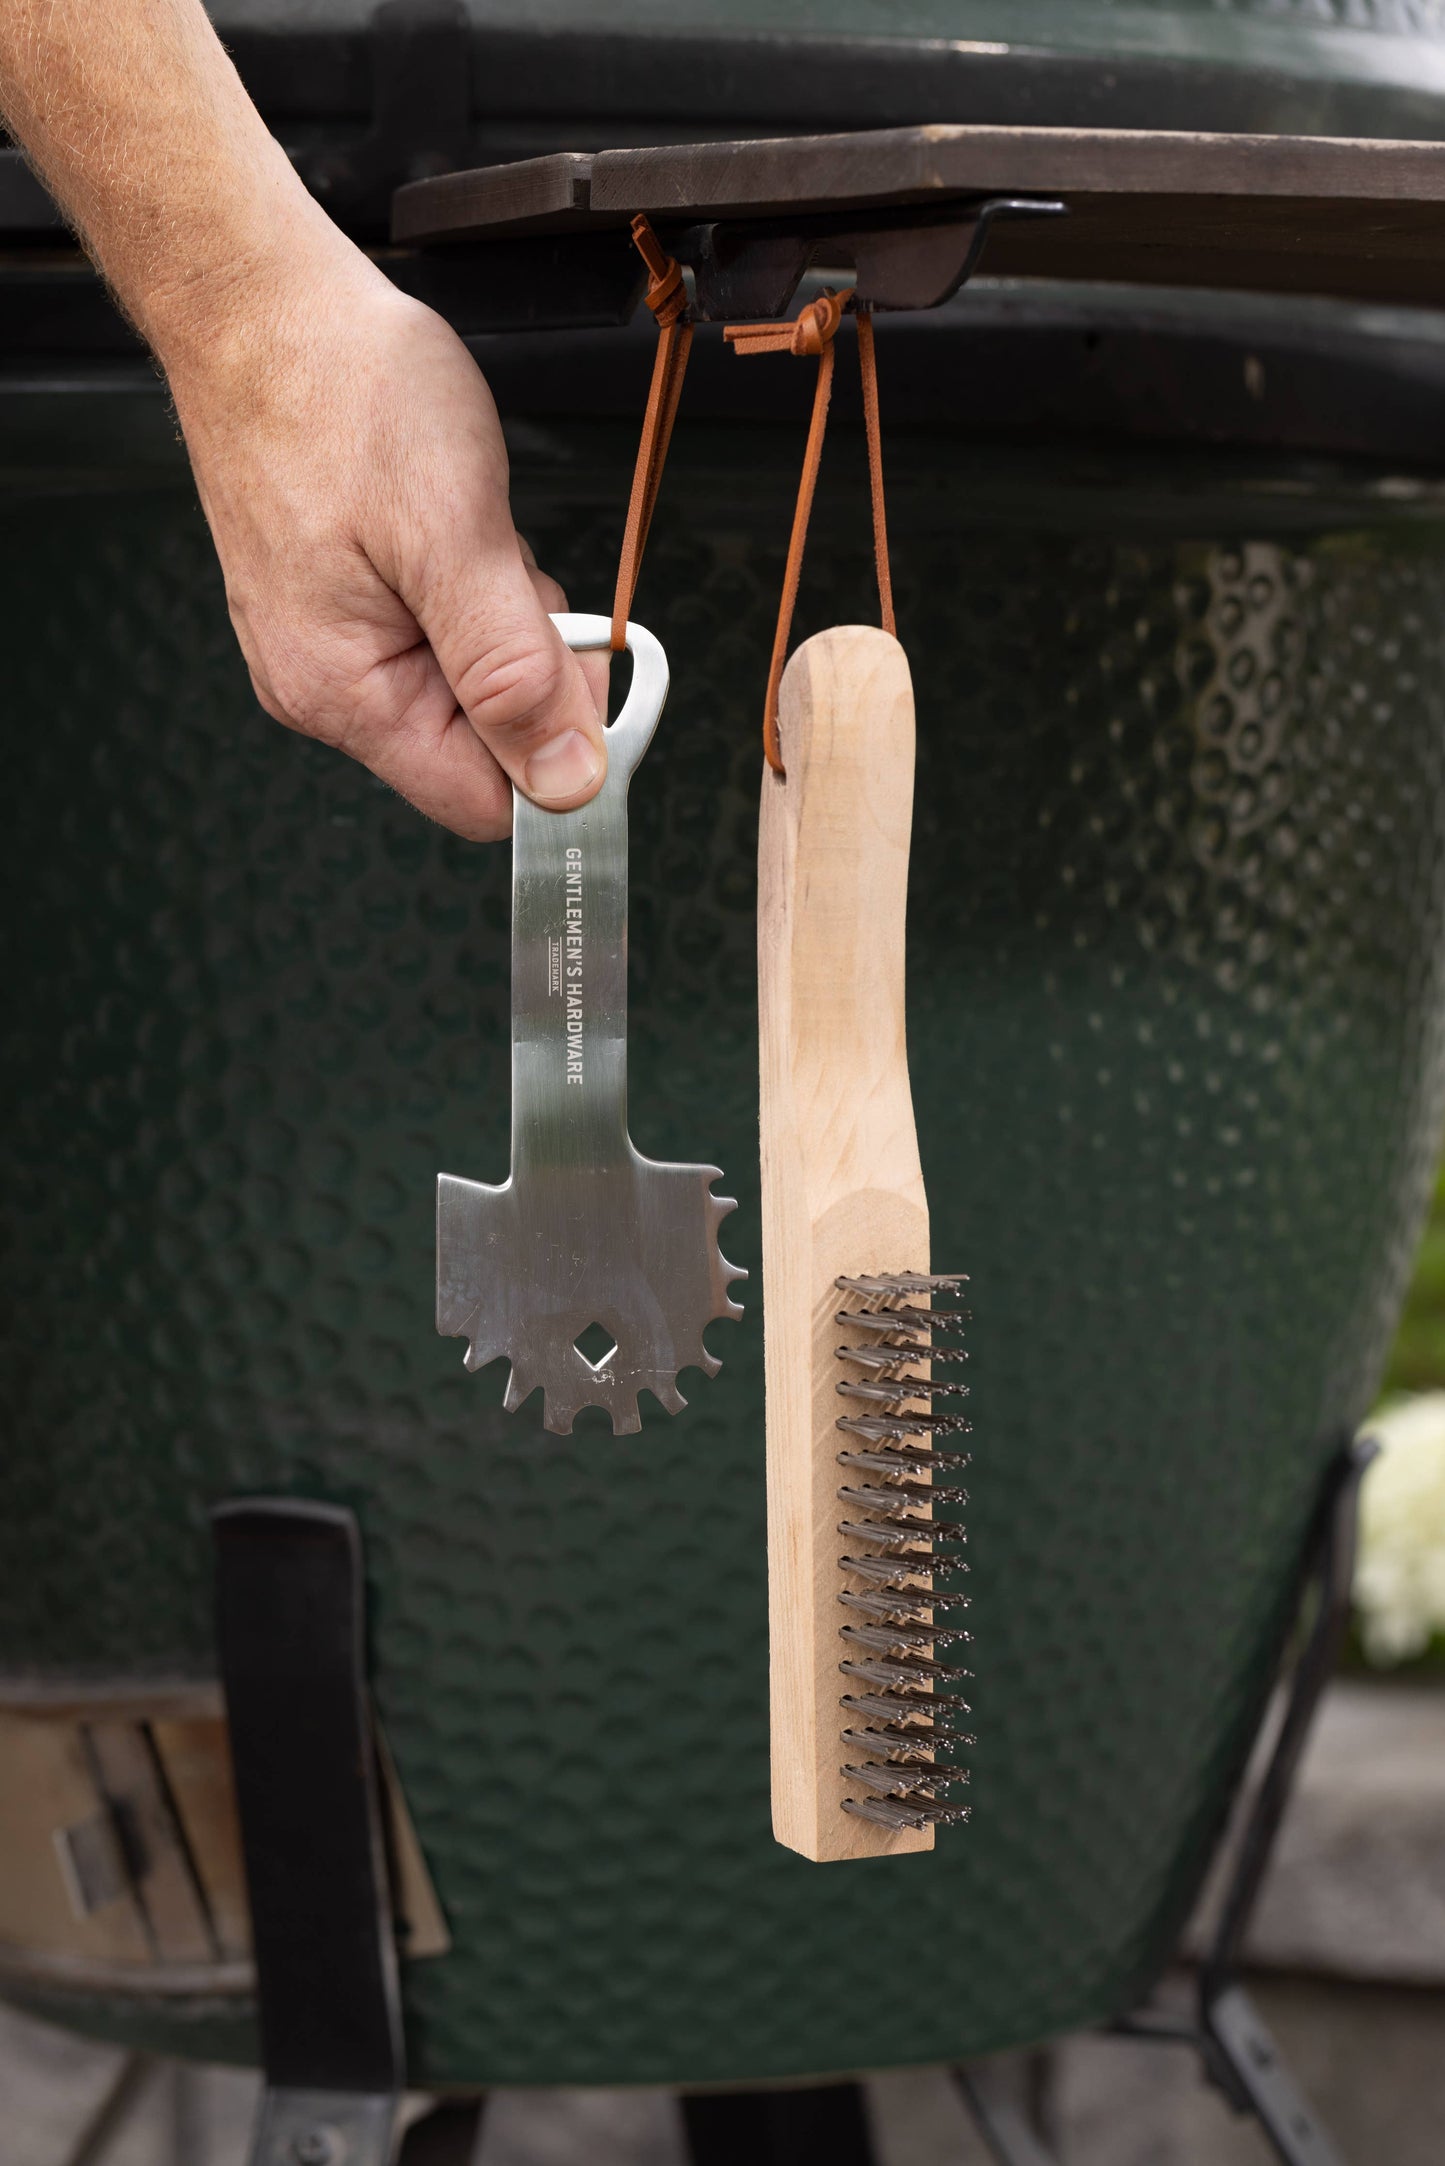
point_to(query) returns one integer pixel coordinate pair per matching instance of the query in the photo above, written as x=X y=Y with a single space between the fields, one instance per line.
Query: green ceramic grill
x=1169 y=568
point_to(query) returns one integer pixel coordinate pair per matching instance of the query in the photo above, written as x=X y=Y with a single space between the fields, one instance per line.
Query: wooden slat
x=167 y=1887
x=196 y=1757
x=536 y=195
x=890 y=166
x=46 y=1786
x=1329 y=215
x=188 y=1921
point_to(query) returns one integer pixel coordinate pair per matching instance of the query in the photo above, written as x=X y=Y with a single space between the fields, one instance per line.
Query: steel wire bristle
x=902 y=1619
x=903 y=1568
x=893 y=1390
x=890 y=1500
x=905 y=1744
x=887 y=1428
x=888 y=1360
x=900 y=1636
x=933 y=1713
x=887 y=1496
x=895 y=1813
x=904 y=1458
x=900 y=1533
x=895 y=1780
x=901 y=1603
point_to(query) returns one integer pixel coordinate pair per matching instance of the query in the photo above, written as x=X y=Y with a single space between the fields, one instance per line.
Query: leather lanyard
x=810 y=334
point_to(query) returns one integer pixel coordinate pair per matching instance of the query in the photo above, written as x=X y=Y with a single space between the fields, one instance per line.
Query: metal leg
x=1000 y=2120
x=92 y=2145
x=779 y=2128
x=1245 y=2062
x=1238 y=2052
x=290 y=1625
x=447 y=2136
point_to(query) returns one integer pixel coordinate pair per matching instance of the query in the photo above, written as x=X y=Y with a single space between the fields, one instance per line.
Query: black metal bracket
x=1236 y=2048
x=778 y=2127
x=290 y=1628
x=893 y=258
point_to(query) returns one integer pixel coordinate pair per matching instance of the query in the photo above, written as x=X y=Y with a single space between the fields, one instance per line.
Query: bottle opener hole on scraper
x=586 y=1232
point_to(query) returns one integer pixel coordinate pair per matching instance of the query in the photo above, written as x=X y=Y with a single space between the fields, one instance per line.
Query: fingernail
x=562 y=767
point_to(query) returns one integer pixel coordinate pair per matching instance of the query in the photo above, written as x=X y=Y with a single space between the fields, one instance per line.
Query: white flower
x=1400 y=1577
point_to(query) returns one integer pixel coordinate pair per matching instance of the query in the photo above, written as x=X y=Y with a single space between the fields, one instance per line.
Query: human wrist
x=225 y=301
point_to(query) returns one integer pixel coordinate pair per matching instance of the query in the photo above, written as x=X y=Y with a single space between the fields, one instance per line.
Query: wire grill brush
x=864 y=1362
x=902 y=1605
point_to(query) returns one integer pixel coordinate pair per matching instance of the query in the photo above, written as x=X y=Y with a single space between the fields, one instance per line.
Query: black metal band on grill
x=900 y=1627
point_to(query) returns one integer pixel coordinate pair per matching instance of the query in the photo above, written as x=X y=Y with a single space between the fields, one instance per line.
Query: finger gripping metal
x=586 y=1240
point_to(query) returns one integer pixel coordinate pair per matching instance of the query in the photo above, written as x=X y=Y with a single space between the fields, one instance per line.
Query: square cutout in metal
x=596 y=1345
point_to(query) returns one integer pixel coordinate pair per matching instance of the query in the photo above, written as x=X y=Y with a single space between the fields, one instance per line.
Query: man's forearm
x=134 y=116
x=346 y=450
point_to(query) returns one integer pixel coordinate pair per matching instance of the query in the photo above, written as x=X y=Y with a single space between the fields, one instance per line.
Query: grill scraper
x=585 y=1232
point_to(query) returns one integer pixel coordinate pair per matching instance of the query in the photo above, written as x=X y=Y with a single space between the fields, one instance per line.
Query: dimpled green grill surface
x=1175 y=957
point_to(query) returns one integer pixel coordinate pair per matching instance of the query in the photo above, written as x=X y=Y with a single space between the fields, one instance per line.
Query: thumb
x=521 y=689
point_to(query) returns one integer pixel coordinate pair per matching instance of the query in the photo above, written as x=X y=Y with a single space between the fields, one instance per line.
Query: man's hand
x=347 y=451
x=351 y=466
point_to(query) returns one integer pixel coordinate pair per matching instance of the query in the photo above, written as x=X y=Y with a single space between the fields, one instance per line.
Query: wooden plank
x=536 y=195
x=842 y=1185
x=1358 y=251
x=166 y=1887
x=47 y=1786
x=196 y=1756
x=112 y=1699
x=191 y=1933
x=420 y=1921
x=890 y=166
x=1338 y=216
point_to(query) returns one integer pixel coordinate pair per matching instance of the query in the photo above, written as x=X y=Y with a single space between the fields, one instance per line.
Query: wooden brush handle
x=842 y=1186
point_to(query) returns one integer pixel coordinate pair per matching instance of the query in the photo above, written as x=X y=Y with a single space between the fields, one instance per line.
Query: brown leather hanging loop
x=873 y=431
x=810 y=335
x=812 y=332
x=667 y=298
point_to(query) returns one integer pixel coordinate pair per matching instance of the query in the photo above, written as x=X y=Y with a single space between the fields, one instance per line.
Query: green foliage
x=1417 y=1360
x=1417 y=1363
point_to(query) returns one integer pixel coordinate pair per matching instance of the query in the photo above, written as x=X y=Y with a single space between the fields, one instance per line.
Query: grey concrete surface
x=1370 y=2059
x=1357 y=1885
x=54 y=2089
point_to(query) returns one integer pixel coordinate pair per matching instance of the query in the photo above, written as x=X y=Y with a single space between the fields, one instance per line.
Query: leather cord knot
x=667 y=298
x=810 y=334
x=815 y=326
x=666 y=287
x=807 y=334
